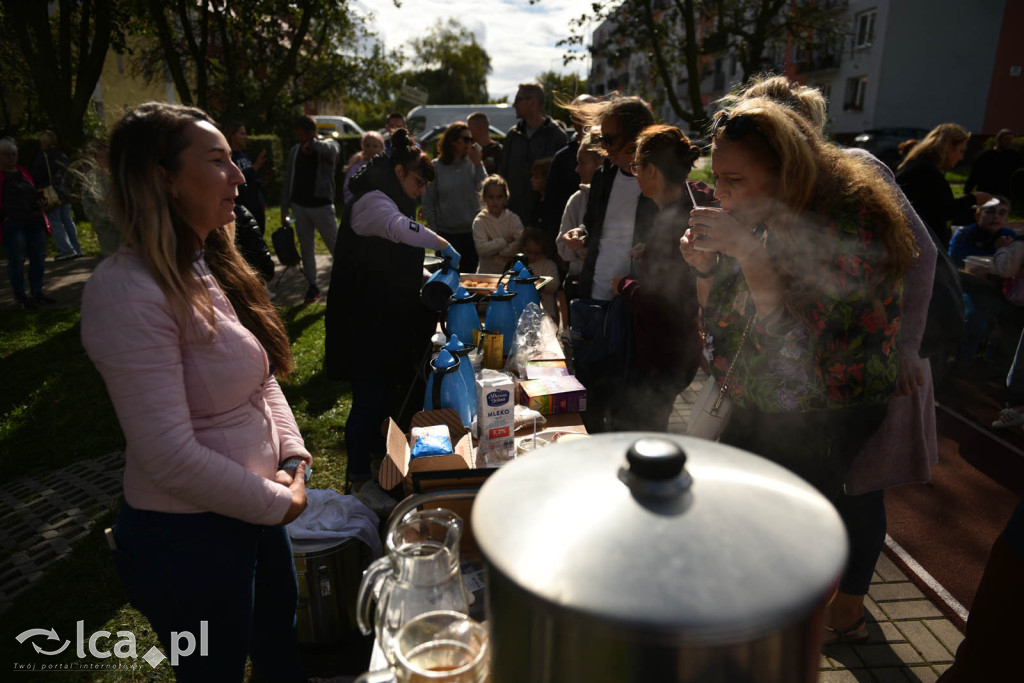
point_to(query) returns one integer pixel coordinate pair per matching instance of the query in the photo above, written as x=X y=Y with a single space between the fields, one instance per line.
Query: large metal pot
x=654 y=557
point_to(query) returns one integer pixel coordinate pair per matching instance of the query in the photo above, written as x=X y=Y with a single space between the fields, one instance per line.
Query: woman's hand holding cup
x=713 y=229
x=576 y=238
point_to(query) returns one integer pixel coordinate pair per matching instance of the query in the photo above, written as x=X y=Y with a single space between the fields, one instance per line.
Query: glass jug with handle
x=419 y=573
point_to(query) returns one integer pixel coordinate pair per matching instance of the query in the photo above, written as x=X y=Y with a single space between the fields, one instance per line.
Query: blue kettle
x=460 y=317
x=446 y=388
x=440 y=287
x=463 y=352
x=501 y=316
x=525 y=286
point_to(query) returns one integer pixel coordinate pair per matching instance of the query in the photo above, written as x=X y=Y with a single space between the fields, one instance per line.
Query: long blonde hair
x=150 y=138
x=815 y=181
x=936 y=145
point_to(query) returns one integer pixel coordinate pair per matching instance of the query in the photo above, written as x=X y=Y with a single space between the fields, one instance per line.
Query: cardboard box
x=553 y=395
x=438 y=471
x=535 y=369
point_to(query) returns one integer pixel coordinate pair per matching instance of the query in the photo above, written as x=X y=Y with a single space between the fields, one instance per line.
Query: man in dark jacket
x=536 y=136
x=563 y=180
x=993 y=168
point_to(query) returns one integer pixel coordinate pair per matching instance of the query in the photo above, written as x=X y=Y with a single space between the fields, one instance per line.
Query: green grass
x=54 y=411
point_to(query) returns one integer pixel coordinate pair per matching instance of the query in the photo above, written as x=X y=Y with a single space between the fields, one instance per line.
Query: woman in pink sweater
x=187 y=341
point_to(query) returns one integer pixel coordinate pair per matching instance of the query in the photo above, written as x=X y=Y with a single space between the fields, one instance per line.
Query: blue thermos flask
x=463 y=353
x=439 y=288
x=501 y=316
x=460 y=317
x=446 y=388
x=525 y=287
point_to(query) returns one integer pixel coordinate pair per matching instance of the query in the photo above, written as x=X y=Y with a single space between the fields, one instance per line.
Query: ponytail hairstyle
x=407 y=154
x=669 y=150
x=152 y=137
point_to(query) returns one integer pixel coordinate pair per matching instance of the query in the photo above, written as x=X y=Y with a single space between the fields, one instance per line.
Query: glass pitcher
x=419 y=573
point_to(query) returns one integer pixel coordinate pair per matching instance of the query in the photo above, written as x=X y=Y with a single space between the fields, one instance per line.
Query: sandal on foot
x=857 y=633
x=1008 y=417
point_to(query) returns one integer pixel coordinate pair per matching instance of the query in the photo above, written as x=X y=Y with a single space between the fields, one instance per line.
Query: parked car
x=336 y=126
x=884 y=142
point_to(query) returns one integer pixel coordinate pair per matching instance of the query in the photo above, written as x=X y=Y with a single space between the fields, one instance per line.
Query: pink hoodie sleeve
x=376 y=215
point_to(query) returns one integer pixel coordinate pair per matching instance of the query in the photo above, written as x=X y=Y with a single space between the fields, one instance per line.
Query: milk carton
x=496 y=394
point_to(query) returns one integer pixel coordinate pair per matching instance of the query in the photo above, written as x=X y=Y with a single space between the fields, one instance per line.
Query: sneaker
x=1008 y=417
x=26 y=303
x=40 y=299
x=312 y=294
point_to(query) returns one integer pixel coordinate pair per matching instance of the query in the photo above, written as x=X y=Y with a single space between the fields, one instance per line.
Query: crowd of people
x=804 y=281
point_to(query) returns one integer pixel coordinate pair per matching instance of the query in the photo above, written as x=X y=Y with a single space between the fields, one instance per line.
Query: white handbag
x=713 y=407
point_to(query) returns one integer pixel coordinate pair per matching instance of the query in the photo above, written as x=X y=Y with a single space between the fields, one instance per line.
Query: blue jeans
x=65 y=234
x=182 y=569
x=22 y=241
x=864 y=517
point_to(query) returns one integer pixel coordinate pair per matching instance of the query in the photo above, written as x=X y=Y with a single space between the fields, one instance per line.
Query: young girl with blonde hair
x=496 y=230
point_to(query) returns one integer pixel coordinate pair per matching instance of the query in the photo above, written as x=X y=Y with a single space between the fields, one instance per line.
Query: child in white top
x=536 y=248
x=572 y=251
x=496 y=230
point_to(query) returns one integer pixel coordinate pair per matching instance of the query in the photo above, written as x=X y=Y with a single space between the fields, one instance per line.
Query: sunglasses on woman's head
x=734 y=127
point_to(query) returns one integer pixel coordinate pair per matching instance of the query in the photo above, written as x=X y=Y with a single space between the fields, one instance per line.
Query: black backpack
x=284 y=244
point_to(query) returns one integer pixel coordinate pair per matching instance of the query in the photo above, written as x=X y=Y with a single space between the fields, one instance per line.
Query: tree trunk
x=63 y=83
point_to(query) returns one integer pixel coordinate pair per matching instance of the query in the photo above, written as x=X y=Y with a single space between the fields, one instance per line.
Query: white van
x=337 y=125
x=424 y=119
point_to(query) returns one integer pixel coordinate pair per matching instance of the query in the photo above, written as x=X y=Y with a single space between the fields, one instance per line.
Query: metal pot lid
x=663 y=532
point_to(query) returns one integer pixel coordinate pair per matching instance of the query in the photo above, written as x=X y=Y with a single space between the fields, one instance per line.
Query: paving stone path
x=46 y=514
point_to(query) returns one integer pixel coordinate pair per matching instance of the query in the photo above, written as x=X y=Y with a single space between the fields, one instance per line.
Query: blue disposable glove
x=453 y=257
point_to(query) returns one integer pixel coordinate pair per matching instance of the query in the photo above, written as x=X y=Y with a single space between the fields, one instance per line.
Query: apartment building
x=899 y=63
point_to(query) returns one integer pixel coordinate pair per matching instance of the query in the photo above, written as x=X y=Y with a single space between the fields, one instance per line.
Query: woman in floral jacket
x=800 y=275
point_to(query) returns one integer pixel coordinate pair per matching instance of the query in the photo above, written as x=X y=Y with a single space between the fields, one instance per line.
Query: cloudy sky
x=519 y=37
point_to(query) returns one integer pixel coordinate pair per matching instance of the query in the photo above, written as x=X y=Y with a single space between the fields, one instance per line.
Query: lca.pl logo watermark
x=183 y=644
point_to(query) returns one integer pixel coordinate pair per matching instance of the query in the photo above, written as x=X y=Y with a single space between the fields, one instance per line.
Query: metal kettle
x=642 y=557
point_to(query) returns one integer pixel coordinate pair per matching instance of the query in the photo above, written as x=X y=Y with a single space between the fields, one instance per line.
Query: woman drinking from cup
x=378 y=330
x=187 y=341
x=800 y=275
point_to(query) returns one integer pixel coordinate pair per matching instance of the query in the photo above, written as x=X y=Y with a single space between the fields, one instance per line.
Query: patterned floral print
x=849 y=355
